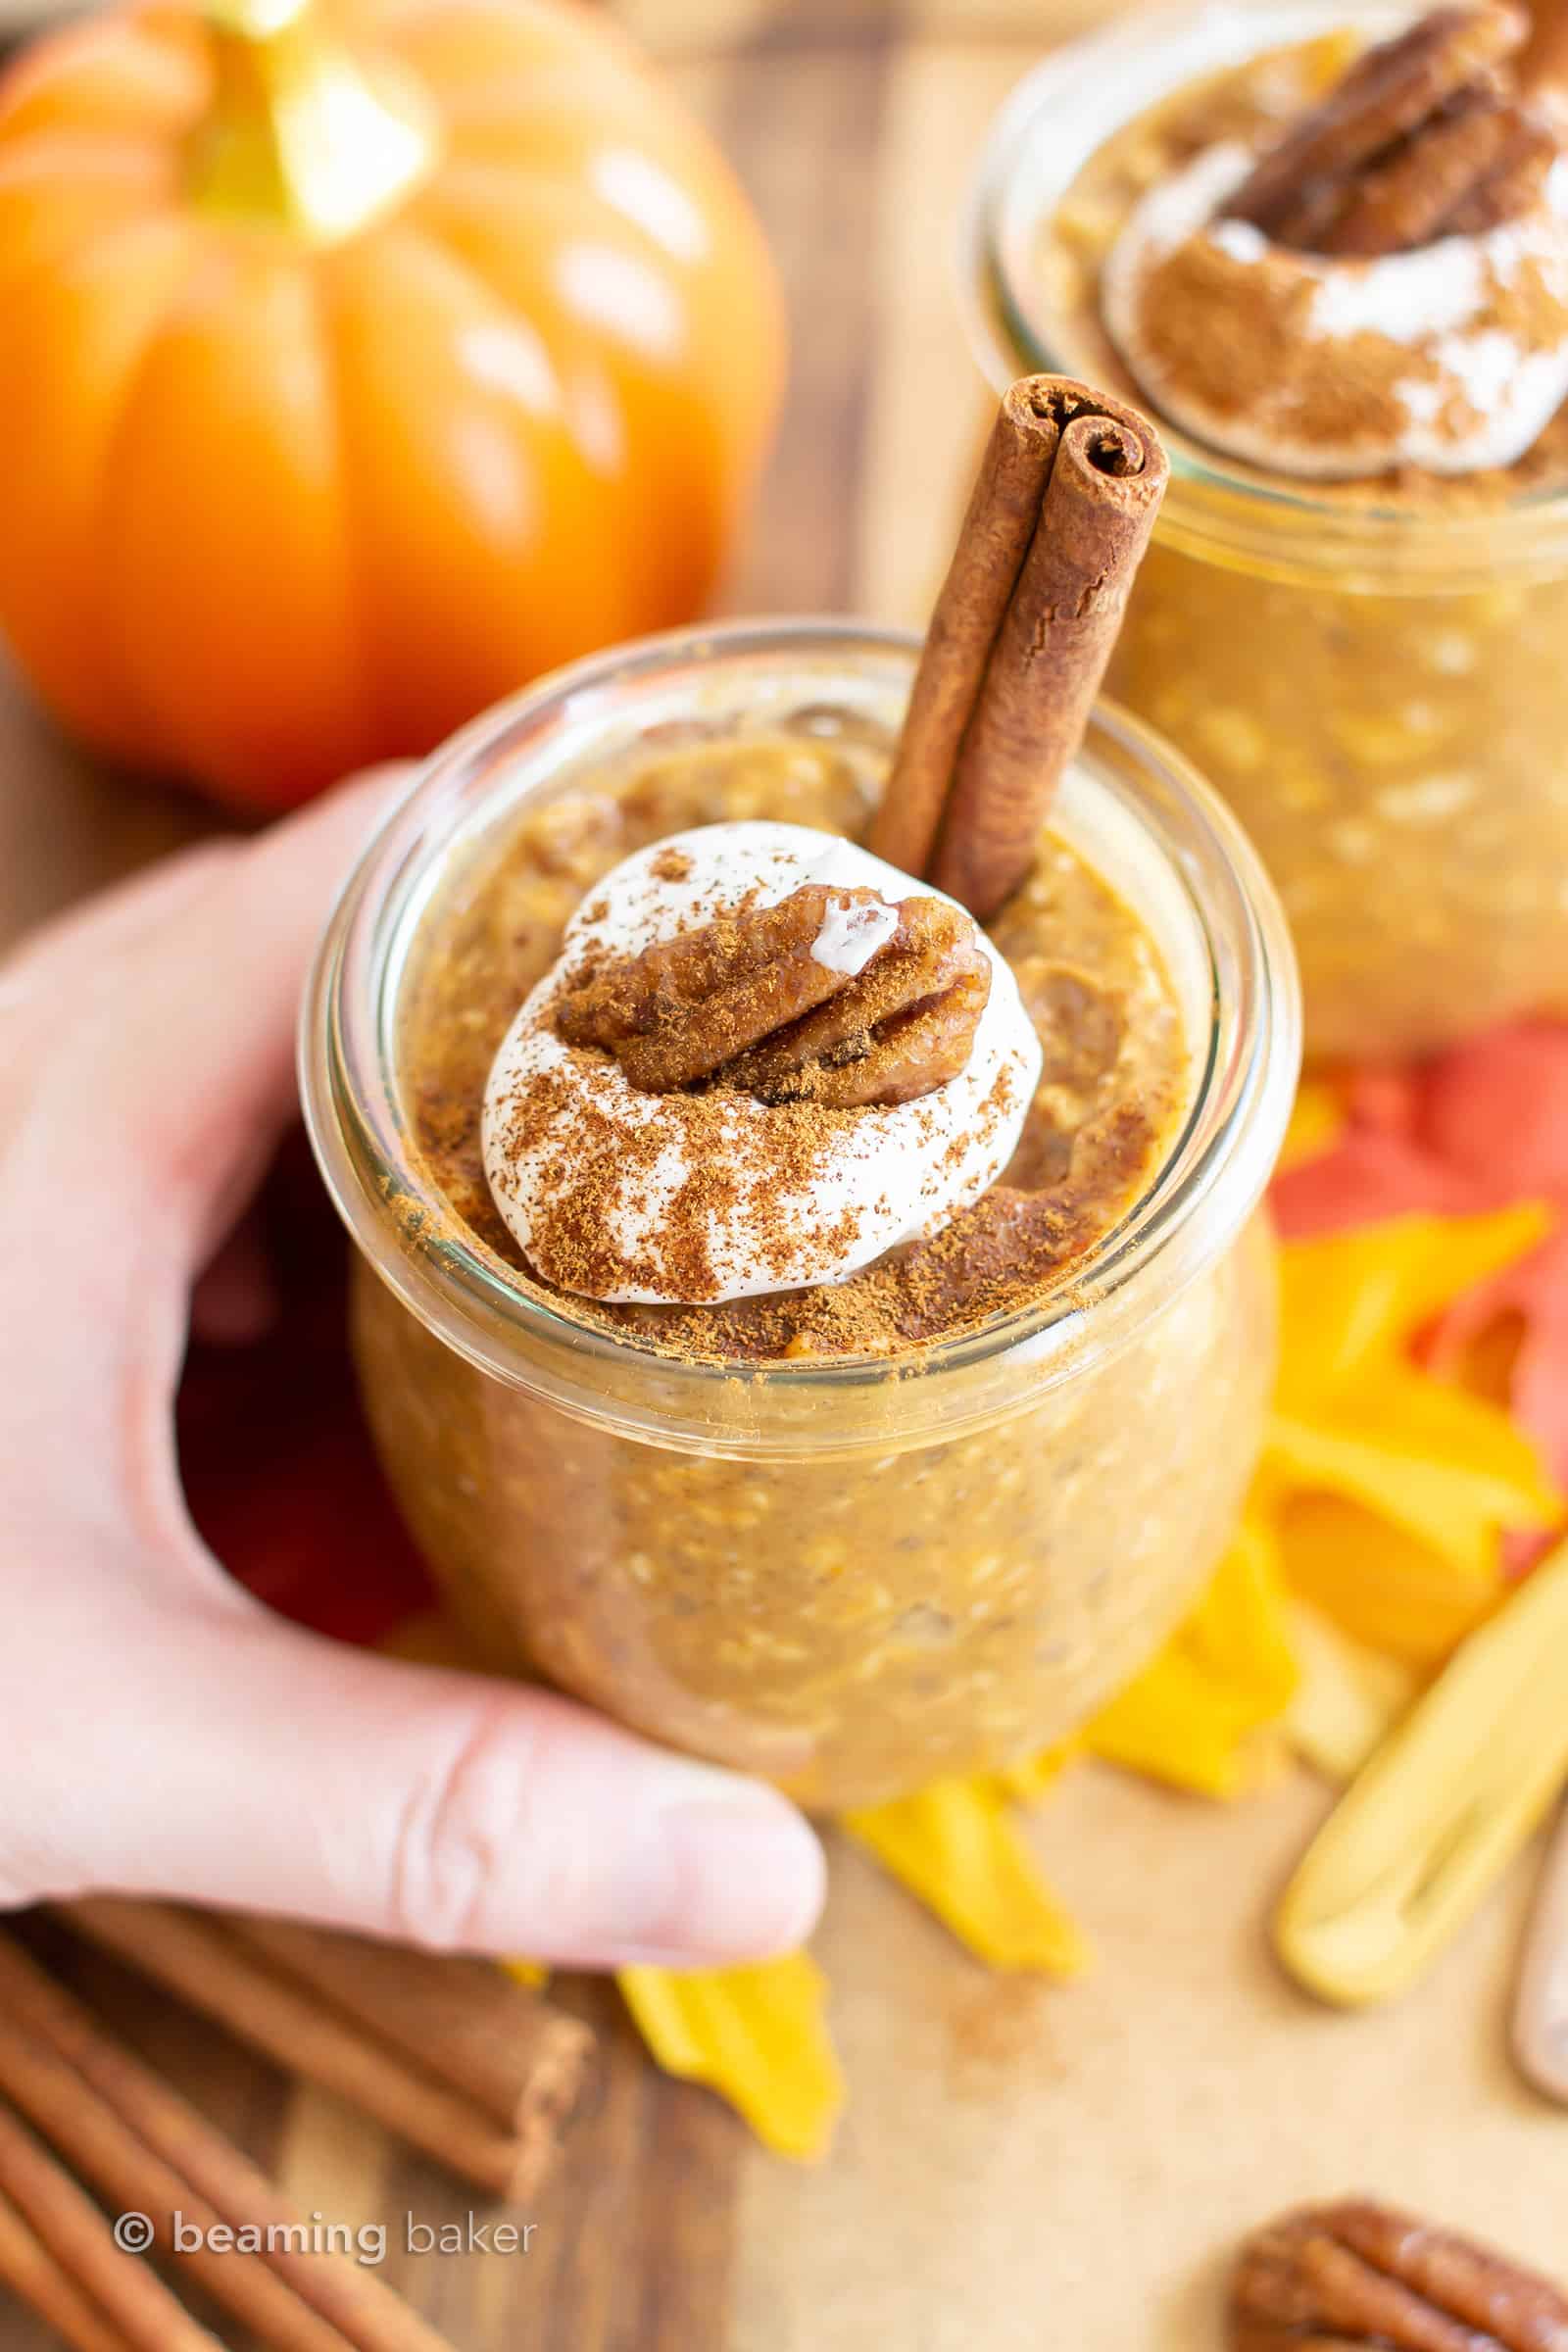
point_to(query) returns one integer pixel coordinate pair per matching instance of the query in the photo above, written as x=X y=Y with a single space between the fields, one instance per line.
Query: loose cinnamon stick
x=75 y=2234
x=34 y=2275
x=193 y=1958
x=208 y=2179
x=112 y=2155
x=502 y=2044
x=1023 y=628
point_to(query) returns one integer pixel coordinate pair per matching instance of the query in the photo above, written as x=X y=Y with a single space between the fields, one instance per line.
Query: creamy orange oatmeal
x=1363 y=650
x=829 y=1589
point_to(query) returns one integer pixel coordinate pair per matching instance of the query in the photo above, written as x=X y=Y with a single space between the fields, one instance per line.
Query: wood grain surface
x=1022 y=2165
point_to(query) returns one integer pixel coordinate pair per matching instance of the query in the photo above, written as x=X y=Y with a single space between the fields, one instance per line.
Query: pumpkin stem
x=303 y=132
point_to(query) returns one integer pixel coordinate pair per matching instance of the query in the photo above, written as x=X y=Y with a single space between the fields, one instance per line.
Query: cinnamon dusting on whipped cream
x=688 y=1197
x=1453 y=357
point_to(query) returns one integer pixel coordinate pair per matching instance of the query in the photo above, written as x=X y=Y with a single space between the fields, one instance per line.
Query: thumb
x=289 y=1774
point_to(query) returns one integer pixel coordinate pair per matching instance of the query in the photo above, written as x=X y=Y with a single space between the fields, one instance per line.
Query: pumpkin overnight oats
x=1342 y=287
x=818 y=1318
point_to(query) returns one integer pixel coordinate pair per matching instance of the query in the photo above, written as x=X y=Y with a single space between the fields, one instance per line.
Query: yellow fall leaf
x=1317 y=1122
x=1381 y=1586
x=1350 y=1300
x=1238 y=1632
x=758 y=2035
x=956 y=1847
x=1444 y=1505
x=1179 y=1724
x=1411 y=1412
x=1462 y=1252
x=1192 y=1716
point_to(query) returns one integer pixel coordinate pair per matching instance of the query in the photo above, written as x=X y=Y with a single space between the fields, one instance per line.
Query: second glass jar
x=1380 y=690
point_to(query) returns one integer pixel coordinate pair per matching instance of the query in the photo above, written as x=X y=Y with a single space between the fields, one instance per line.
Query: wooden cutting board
x=1022 y=2165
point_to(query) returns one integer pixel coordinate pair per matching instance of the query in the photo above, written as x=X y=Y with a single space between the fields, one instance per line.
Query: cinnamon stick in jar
x=1061 y=512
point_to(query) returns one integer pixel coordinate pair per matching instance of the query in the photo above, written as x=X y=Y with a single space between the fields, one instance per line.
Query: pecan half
x=1421 y=140
x=1516 y=182
x=1334 y=2278
x=760 y=1000
x=1482 y=140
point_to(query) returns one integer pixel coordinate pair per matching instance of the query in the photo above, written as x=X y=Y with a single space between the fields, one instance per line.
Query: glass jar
x=851 y=1575
x=1380 y=691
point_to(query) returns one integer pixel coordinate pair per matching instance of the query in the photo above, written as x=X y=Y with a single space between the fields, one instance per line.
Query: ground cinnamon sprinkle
x=1239 y=336
x=1249 y=348
x=1099 y=1126
x=720 y=1171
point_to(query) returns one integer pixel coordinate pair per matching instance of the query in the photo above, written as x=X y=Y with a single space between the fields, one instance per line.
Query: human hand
x=164 y=1732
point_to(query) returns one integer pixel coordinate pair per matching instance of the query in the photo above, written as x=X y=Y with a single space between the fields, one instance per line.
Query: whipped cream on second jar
x=1453 y=358
x=571 y=1144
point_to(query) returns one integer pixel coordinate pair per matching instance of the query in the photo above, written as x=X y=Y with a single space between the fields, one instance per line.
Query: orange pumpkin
x=352 y=372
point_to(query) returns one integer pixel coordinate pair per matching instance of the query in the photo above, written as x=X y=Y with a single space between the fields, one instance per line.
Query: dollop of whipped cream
x=1453 y=358
x=691 y=1200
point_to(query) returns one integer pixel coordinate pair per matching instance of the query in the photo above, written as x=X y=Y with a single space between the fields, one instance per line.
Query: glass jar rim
x=1215 y=507
x=470 y=1300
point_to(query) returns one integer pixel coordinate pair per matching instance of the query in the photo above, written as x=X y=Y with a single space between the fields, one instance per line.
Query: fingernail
x=743 y=1872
